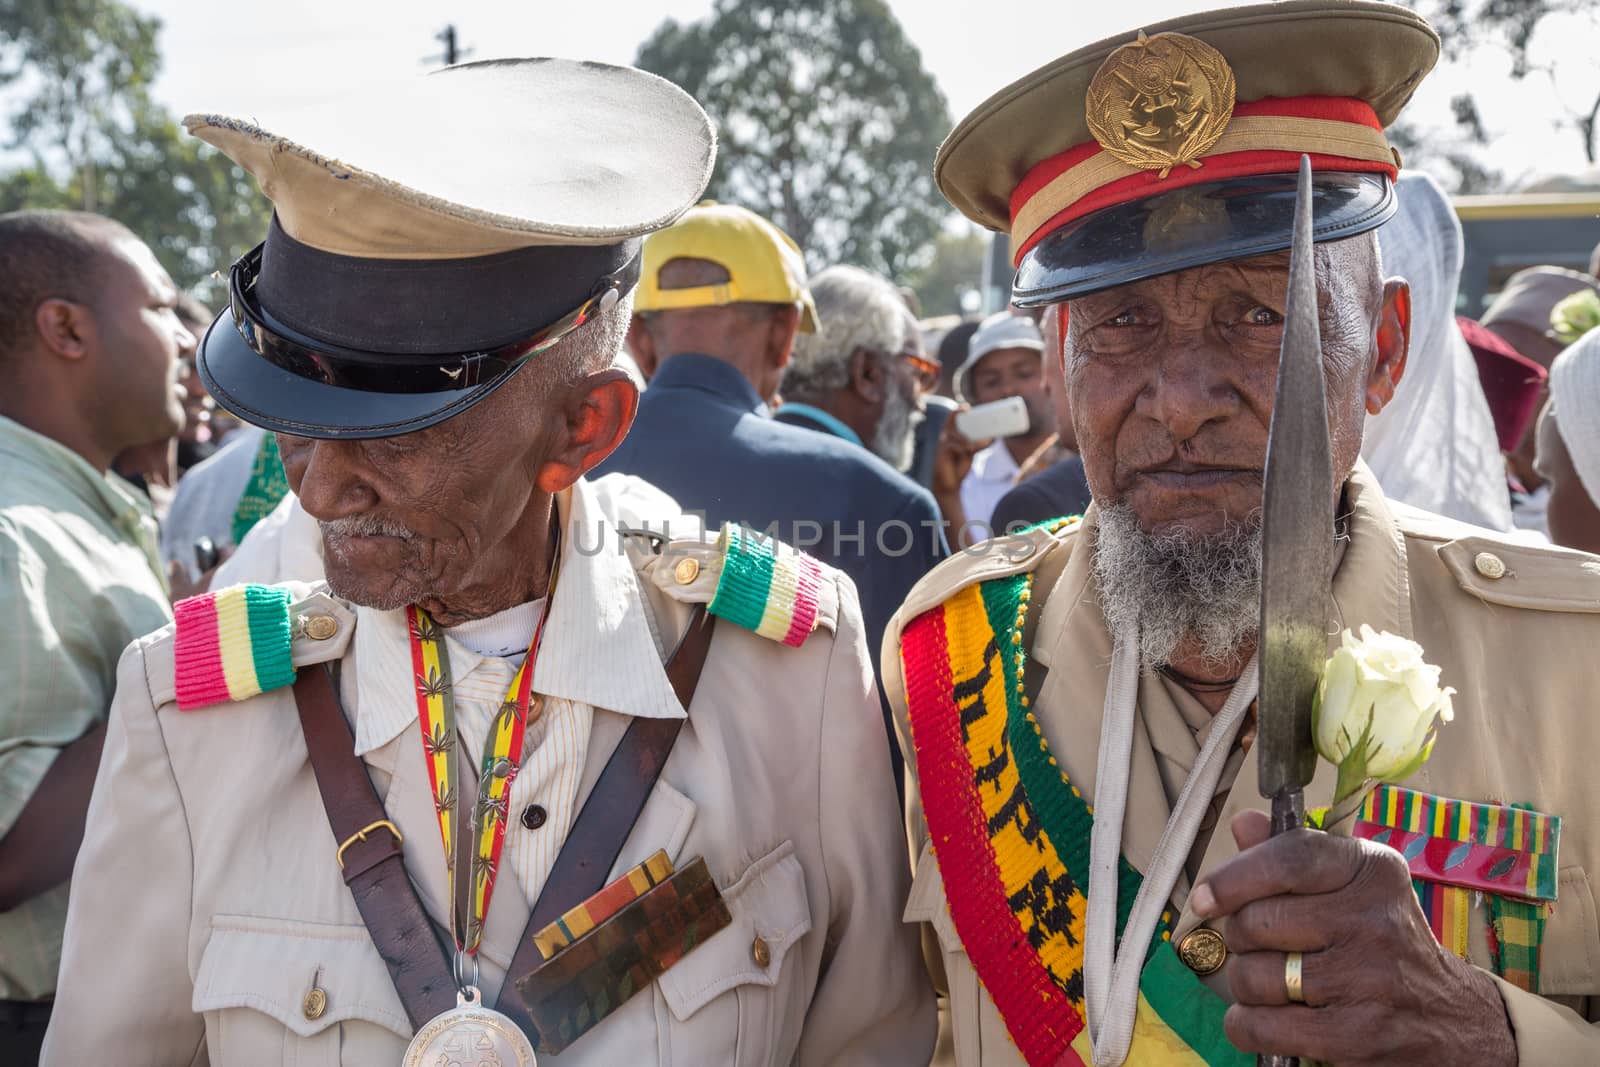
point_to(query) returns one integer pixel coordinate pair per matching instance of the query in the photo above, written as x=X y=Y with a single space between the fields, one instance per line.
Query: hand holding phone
x=1007 y=417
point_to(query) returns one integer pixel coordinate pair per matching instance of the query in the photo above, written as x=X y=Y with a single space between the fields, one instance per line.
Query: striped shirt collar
x=598 y=649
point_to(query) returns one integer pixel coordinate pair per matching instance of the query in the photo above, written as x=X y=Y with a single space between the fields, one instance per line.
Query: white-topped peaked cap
x=432 y=235
x=477 y=159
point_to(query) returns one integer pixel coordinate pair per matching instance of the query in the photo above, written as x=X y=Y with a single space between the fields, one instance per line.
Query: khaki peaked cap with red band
x=432 y=236
x=1177 y=144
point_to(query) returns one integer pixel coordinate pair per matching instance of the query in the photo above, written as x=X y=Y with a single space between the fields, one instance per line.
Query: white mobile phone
x=998 y=418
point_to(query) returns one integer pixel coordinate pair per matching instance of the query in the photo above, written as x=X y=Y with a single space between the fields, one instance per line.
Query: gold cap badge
x=1161 y=101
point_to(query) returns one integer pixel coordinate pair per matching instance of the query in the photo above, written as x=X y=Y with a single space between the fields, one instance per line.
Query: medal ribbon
x=502 y=759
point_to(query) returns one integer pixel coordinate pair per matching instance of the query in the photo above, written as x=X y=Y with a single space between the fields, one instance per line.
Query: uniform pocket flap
x=271 y=965
x=1570 y=960
x=769 y=913
x=926 y=904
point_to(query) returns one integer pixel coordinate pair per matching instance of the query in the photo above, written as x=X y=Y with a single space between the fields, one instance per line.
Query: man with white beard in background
x=862 y=376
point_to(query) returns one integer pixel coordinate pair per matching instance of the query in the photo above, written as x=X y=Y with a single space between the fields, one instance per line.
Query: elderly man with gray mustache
x=540 y=767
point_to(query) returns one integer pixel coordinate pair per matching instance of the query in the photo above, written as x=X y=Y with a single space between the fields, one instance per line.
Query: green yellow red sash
x=1011 y=836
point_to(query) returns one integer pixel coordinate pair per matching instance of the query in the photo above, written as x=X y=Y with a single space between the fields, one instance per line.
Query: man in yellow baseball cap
x=760 y=264
x=721 y=297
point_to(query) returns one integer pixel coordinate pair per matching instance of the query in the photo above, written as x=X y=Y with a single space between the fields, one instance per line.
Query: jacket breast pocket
x=738 y=998
x=961 y=1010
x=257 y=988
x=1570 y=959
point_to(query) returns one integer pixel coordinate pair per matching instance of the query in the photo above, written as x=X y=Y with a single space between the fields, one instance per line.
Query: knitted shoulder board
x=766 y=586
x=231 y=645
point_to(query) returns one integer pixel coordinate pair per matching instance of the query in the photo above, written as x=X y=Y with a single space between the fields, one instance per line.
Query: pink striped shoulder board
x=768 y=587
x=232 y=645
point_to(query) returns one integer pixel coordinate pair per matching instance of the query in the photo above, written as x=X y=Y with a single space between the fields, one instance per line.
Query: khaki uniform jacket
x=207 y=899
x=1519 y=649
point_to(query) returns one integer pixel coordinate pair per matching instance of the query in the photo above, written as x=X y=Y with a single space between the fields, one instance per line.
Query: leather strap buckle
x=361 y=835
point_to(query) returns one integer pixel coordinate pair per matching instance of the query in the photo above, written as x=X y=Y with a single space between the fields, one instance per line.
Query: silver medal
x=469 y=1035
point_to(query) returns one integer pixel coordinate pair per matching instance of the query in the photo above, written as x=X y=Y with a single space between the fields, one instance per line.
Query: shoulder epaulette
x=231 y=645
x=766 y=586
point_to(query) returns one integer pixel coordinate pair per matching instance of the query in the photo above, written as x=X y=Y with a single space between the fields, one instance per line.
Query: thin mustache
x=366 y=526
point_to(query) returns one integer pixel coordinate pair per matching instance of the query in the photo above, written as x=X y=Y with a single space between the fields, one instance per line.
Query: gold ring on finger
x=1293 y=978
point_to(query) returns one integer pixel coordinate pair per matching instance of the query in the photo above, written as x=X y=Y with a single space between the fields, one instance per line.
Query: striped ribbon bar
x=603 y=905
x=1499 y=849
x=1011 y=837
x=766 y=586
x=231 y=645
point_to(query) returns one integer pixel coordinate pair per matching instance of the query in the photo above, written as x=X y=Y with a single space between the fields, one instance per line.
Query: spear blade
x=1297 y=535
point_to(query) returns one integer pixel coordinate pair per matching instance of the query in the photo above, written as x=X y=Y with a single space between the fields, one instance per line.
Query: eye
x=1263 y=316
x=1123 y=318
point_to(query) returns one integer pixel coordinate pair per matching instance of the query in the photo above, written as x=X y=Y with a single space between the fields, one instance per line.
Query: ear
x=643 y=347
x=1393 y=347
x=781 y=331
x=599 y=411
x=866 y=377
x=66 y=328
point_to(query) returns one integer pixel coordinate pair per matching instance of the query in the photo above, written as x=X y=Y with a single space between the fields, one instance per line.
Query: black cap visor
x=266 y=394
x=283 y=378
x=1212 y=222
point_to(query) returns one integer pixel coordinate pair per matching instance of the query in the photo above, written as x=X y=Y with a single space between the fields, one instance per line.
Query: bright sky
x=219 y=56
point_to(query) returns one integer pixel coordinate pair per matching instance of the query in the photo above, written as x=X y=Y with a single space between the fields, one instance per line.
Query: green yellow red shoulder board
x=231 y=645
x=767 y=587
x=751 y=579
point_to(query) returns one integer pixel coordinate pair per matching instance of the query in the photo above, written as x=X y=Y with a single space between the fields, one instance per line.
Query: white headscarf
x=1434 y=446
x=1575 y=394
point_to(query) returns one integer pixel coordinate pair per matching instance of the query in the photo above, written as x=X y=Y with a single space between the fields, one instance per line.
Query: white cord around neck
x=1111 y=977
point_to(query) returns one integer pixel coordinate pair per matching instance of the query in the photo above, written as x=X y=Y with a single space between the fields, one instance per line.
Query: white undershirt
x=504 y=635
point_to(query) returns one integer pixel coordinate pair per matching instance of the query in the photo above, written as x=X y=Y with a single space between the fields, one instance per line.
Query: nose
x=327 y=476
x=1188 y=390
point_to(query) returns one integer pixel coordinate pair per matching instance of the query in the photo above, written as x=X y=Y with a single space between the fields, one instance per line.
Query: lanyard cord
x=501 y=760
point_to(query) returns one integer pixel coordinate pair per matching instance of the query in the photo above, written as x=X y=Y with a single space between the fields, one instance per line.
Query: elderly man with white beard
x=861 y=376
x=1109 y=664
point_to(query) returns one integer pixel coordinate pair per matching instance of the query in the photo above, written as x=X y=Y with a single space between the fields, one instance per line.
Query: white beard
x=1175 y=587
x=895 y=440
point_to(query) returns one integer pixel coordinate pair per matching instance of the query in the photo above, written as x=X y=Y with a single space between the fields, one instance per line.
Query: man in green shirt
x=89 y=349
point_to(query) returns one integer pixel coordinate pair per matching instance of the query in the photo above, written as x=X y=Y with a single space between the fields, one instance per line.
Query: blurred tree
x=954 y=269
x=1455 y=158
x=827 y=123
x=1538 y=36
x=80 y=71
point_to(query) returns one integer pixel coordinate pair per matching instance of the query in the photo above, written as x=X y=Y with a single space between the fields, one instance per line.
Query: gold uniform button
x=315 y=1004
x=686 y=570
x=1203 y=951
x=321 y=627
x=760 y=953
x=1489 y=565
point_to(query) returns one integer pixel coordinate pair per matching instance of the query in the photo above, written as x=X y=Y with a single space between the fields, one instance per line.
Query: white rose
x=1376 y=708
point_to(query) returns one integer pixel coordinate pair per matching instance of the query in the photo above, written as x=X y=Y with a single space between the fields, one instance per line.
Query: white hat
x=1574 y=391
x=998 y=331
x=432 y=236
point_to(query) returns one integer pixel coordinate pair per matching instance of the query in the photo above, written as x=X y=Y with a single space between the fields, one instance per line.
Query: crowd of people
x=805 y=598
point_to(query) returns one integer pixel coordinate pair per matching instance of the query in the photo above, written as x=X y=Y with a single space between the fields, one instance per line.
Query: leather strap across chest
x=373 y=865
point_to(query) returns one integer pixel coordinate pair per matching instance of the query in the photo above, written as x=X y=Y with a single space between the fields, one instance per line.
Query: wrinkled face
x=1573 y=517
x=1171 y=381
x=1012 y=372
x=411 y=518
x=140 y=343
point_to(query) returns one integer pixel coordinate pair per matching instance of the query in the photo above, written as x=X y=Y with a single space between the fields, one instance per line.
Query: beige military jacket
x=207 y=900
x=1515 y=630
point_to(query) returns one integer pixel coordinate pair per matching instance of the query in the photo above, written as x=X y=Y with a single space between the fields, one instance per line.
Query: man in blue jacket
x=721 y=298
